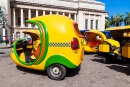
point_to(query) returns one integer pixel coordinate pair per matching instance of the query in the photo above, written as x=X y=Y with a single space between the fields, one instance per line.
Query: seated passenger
x=96 y=42
x=36 y=46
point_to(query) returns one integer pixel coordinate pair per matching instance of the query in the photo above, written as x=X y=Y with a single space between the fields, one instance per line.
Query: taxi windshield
x=107 y=34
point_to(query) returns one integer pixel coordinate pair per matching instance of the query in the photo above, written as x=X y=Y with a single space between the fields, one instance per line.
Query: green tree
x=127 y=18
x=113 y=20
x=120 y=19
x=116 y=20
x=107 y=23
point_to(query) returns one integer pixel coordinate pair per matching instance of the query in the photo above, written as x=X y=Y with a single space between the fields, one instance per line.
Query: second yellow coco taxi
x=56 y=45
x=92 y=39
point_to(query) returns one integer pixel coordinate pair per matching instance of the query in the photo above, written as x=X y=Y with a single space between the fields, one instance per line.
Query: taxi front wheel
x=129 y=67
x=56 y=72
x=106 y=59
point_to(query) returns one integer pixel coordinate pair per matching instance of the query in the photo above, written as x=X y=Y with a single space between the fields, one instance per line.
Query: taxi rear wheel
x=56 y=72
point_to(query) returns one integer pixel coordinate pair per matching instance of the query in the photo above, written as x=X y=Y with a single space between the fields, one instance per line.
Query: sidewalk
x=3 y=45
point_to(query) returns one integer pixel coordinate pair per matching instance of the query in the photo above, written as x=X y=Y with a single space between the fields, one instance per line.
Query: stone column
x=50 y=12
x=94 y=22
x=44 y=12
x=57 y=13
x=36 y=16
x=63 y=13
x=102 y=22
x=14 y=18
x=36 y=13
x=22 y=18
x=69 y=15
x=80 y=20
x=29 y=17
x=99 y=17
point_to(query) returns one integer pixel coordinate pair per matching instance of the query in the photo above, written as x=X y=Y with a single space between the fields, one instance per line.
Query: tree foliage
x=118 y=20
x=127 y=18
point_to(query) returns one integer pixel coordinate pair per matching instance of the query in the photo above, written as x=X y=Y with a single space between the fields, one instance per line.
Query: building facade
x=5 y=19
x=89 y=14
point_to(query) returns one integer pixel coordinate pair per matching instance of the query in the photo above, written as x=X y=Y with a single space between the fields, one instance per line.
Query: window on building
x=91 y=24
x=86 y=23
x=26 y=24
x=19 y=21
x=18 y=34
x=72 y=16
x=96 y=24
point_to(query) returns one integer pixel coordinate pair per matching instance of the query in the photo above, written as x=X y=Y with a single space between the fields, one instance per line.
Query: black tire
x=106 y=60
x=56 y=72
x=99 y=54
x=129 y=67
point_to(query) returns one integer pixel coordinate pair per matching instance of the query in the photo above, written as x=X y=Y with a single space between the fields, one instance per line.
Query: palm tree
x=120 y=19
x=127 y=19
x=116 y=20
x=107 y=23
x=113 y=20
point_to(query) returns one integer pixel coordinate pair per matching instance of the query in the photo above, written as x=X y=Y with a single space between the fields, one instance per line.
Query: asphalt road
x=93 y=73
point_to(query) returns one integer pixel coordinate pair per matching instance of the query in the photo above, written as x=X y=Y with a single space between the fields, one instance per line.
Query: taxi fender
x=59 y=59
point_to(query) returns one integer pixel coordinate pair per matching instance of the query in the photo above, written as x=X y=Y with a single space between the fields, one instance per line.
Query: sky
x=114 y=7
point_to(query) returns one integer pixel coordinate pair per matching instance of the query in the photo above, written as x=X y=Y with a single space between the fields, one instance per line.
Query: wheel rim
x=55 y=71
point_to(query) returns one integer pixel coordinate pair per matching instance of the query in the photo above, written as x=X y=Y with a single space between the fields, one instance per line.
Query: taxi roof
x=94 y=33
x=118 y=28
x=36 y=31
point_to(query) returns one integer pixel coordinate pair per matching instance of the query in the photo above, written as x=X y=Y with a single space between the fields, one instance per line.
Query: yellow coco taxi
x=56 y=45
x=116 y=48
x=92 y=39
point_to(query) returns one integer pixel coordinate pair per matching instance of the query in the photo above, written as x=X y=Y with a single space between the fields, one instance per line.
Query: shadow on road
x=114 y=64
x=2 y=53
x=90 y=53
x=69 y=73
x=97 y=60
x=120 y=68
x=113 y=61
x=96 y=55
x=72 y=72
x=31 y=71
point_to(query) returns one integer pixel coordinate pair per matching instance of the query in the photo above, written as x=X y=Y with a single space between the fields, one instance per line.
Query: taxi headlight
x=113 y=47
